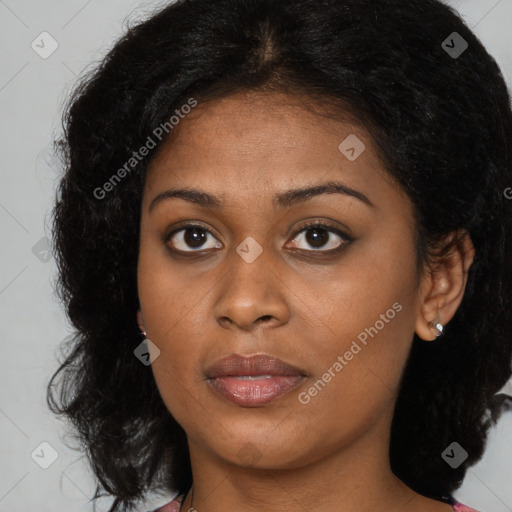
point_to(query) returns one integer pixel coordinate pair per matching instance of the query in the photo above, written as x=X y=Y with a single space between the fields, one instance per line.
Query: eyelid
x=184 y=227
x=345 y=237
x=305 y=227
x=328 y=226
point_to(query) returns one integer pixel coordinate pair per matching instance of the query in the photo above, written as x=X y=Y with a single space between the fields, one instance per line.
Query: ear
x=140 y=321
x=443 y=284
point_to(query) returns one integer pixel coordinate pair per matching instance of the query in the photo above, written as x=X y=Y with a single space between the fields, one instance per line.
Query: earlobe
x=429 y=331
x=442 y=287
x=140 y=322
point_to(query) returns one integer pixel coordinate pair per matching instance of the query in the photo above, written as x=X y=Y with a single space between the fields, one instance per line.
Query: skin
x=330 y=454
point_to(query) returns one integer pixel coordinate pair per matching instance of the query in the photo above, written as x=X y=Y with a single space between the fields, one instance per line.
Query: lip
x=252 y=381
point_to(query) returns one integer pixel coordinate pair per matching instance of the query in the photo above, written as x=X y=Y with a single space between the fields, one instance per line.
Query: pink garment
x=174 y=506
x=459 y=507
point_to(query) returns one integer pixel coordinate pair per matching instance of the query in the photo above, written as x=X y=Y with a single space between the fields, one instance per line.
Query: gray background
x=32 y=91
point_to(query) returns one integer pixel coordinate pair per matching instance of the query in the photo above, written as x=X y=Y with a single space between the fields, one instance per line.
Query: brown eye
x=192 y=238
x=320 y=238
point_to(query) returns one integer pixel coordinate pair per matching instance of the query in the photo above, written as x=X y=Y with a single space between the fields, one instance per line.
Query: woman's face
x=337 y=303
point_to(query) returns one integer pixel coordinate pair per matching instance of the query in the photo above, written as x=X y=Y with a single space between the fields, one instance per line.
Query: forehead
x=254 y=136
x=248 y=148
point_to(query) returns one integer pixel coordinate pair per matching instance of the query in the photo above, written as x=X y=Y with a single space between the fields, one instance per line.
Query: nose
x=252 y=296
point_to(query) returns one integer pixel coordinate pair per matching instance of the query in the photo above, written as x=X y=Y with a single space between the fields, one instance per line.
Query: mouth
x=252 y=381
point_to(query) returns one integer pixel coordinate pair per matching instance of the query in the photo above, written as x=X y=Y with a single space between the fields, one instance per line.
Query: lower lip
x=253 y=392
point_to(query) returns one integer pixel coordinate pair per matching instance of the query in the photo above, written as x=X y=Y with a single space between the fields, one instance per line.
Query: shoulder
x=172 y=506
x=459 y=507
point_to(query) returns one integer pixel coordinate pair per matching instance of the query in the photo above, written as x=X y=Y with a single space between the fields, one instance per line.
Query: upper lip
x=259 y=364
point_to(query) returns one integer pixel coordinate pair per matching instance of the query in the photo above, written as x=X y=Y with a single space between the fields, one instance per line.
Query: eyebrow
x=281 y=200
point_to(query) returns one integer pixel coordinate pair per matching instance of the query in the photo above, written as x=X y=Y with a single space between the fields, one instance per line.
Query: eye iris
x=317 y=237
x=194 y=237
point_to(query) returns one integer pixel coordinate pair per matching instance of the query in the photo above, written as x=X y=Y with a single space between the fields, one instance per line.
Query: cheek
x=362 y=290
x=176 y=371
x=165 y=315
x=366 y=315
x=356 y=373
x=170 y=293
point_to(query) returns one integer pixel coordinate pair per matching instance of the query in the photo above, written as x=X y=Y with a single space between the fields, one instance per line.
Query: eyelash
x=345 y=239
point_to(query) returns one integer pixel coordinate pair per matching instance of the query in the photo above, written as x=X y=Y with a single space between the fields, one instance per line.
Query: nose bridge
x=252 y=292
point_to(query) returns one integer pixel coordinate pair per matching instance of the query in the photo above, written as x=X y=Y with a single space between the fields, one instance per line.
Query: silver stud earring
x=438 y=326
x=142 y=333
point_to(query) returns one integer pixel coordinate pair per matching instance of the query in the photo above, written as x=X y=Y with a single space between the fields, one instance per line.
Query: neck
x=356 y=477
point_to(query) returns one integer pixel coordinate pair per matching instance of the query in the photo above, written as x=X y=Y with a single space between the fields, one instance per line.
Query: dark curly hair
x=443 y=127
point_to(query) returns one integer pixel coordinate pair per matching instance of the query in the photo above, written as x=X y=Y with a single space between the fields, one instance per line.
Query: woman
x=339 y=337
